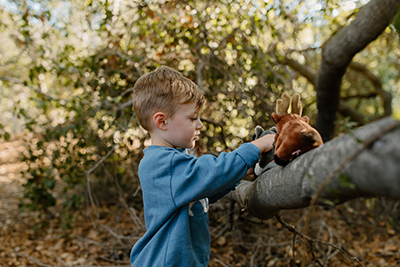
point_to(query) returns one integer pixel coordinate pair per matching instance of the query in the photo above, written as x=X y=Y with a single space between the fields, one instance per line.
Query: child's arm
x=196 y=178
x=264 y=143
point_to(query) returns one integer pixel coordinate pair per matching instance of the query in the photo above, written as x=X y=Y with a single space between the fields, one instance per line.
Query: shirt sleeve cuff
x=249 y=153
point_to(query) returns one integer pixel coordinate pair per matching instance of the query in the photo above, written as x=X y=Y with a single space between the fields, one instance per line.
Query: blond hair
x=163 y=89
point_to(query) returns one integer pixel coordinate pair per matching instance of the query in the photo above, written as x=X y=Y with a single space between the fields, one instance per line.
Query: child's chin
x=191 y=145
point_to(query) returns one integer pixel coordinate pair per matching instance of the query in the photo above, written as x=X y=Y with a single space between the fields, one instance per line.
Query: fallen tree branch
x=376 y=149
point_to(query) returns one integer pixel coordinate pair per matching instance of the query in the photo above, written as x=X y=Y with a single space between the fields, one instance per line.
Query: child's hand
x=264 y=143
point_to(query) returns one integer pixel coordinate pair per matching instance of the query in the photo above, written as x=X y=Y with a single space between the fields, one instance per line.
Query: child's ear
x=160 y=120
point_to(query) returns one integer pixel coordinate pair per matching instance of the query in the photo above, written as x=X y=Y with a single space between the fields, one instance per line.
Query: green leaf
x=345 y=181
x=396 y=22
x=6 y=136
x=120 y=170
x=392 y=221
x=329 y=203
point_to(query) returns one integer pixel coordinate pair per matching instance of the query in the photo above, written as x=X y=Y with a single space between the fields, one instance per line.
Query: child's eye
x=193 y=119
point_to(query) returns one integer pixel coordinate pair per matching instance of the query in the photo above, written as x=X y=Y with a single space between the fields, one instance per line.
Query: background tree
x=337 y=54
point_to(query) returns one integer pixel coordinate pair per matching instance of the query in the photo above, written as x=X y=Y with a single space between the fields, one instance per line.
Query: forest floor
x=360 y=233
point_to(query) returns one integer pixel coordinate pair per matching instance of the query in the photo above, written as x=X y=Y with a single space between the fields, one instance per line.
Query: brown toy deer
x=295 y=136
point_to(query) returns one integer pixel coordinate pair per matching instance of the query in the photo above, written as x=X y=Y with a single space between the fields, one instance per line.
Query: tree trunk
x=369 y=23
x=364 y=163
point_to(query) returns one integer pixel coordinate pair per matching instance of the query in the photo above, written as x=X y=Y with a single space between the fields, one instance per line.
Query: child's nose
x=199 y=124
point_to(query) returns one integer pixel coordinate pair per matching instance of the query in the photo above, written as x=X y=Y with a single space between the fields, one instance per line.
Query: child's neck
x=157 y=141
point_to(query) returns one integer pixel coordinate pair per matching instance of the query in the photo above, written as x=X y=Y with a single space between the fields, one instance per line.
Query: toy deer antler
x=282 y=105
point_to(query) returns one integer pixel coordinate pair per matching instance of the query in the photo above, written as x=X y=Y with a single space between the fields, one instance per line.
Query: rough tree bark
x=363 y=163
x=338 y=52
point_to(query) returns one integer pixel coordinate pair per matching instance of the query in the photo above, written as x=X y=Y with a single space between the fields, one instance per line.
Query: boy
x=176 y=186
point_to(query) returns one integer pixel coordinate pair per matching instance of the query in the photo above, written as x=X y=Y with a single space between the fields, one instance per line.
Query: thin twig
x=311 y=240
x=37 y=90
x=92 y=169
x=33 y=259
x=100 y=162
x=39 y=263
x=254 y=255
x=294 y=243
x=117 y=236
x=222 y=263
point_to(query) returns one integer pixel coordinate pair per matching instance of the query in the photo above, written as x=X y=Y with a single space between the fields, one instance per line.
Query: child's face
x=183 y=129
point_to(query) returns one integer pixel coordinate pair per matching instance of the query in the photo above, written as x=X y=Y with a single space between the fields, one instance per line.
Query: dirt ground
x=366 y=236
x=28 y=239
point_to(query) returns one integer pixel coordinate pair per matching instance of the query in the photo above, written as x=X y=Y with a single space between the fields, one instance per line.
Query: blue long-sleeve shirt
x=177 y=232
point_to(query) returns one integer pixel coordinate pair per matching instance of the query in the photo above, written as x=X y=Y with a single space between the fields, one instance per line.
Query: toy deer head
x=294 y=135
